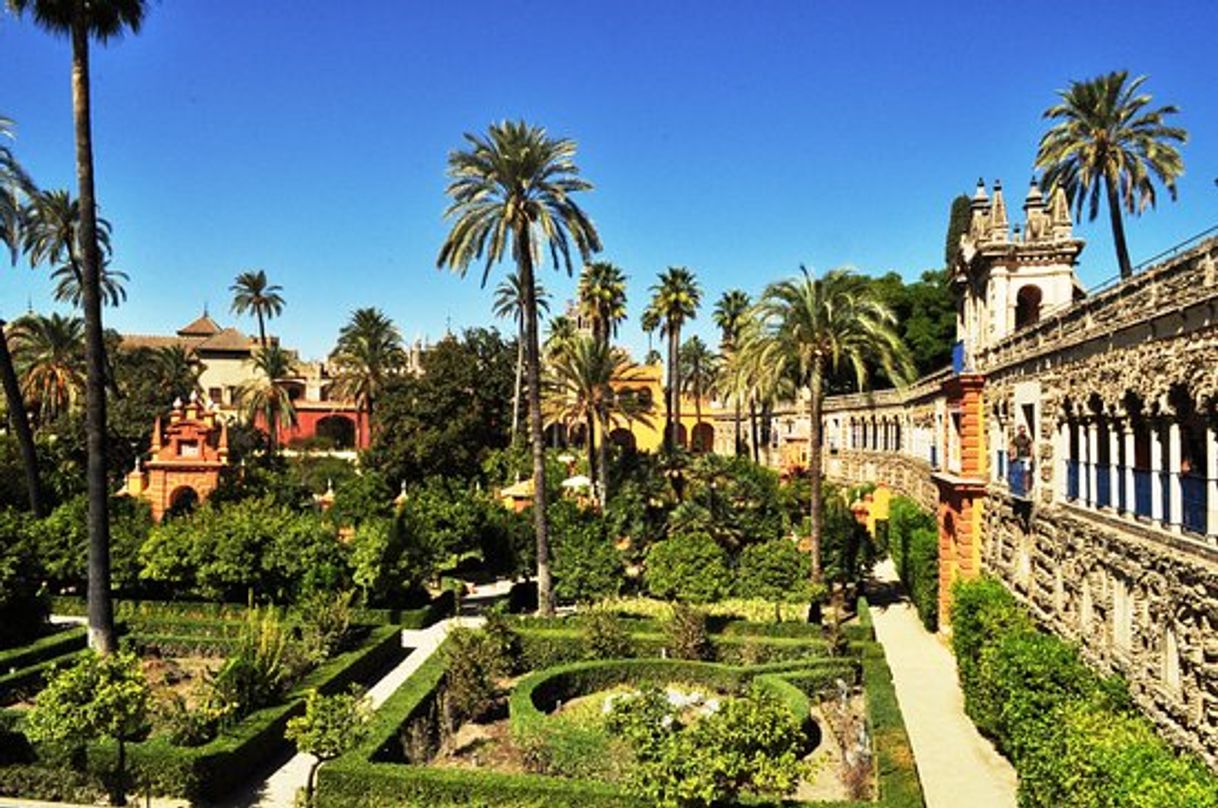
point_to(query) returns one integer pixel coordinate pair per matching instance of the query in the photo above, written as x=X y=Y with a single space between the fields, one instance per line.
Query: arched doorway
x=703 y=437
x=182 y=501
x=338 y=429
x=682 y=437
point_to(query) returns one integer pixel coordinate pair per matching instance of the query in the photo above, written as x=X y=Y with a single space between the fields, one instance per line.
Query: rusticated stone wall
x=1133 y=365
x=1136 y=604
x=908 y=476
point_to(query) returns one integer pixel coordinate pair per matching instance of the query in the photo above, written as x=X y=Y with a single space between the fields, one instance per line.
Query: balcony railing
x=1194 y=496
x=1072 y=469
x=1103 y=485
x=1142 y=497
x=1019 y=478
x=1001 y=463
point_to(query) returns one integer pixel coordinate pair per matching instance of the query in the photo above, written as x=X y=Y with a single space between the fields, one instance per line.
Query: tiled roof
x=203 y=327
x=133 y=341
x=230 y=339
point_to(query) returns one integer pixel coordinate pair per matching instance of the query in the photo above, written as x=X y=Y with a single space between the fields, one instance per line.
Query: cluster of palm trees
x=512 y=194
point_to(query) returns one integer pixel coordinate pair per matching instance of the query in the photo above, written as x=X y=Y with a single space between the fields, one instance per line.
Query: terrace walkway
x=958 y=767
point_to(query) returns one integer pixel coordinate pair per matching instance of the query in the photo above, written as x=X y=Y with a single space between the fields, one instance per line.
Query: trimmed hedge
x=442 y=606
x=913 y=543
x=364 y=778
x=209 y=771
x=69 y=638
x=1073 y=736
x=545 y=648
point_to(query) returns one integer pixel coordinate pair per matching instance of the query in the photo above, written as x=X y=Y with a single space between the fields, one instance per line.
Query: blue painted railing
x=1001 y=463
x=1019 y=478
x=1103 y=485
x=1141 y=492
x=958 y=357
x=1194 y=496
x=1072 y=479
x=1165 y=486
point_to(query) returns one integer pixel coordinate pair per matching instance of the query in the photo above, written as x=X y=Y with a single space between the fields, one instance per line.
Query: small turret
x=1036 y=223
x=999 y=225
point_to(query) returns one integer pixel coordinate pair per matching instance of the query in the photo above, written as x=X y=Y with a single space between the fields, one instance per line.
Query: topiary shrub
x=587 y=567
x=605 y=637
x=691 y=567
x=776 y=571
x=686 y=634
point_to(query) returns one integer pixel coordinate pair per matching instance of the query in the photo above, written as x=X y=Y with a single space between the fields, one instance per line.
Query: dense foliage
x=445 y=420
x=913 y=543
x=750 y=744
x=1072 y=735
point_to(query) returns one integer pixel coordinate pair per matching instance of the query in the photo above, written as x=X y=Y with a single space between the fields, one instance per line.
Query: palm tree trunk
x=815 y=506
x=21 y=425
x=753 y=430
x=736 y=421
x=261 y=328
x=593 y=471
x=519 y=382
x=669 y=432
x=524 y=258
x=602 y=460
x=674 y=351
x=1118 y=227
x=697 y=407
x=100 y=609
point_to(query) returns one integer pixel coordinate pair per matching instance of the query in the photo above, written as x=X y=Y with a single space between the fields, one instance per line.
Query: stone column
x=1211 y=485
x=1062 y=452
x=1114 y=474
x=1175 y=493
x=1156 y=468
x=1093 y=444
x=1127 y=436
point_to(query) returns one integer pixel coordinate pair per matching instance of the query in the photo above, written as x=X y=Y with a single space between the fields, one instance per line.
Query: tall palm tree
x=49 y=354
x=253 y=293
x=561 y=333
x=811 y=327
x=512 y=190
x=52 y=235
x=83 y=20
x=265 y=398
x=15 y=188
x=369 y=352
x=579 y=388
x=509 y=302
x=699 y=370
x=675 y=299
x=69 y=289
x=602 y=298
x=731 y=311
x=1105 y=135
x=650 y=321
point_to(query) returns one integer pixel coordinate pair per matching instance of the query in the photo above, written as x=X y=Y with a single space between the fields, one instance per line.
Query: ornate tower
x=187 y=456
x=1007 y=281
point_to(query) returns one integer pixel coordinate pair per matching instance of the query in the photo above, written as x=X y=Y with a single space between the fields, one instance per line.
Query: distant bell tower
x=1007 y=281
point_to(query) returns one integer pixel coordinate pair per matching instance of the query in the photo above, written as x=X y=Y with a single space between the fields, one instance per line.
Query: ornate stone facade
x=187 y=457
x=1105 y=522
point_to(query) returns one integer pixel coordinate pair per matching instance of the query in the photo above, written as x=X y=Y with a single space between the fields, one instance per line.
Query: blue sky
x=739 y=139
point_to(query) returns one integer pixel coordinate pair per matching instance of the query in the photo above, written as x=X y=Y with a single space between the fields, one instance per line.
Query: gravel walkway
x=958 y=767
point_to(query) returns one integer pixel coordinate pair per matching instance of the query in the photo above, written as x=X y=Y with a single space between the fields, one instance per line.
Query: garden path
x=279 y=789
x=958 y=767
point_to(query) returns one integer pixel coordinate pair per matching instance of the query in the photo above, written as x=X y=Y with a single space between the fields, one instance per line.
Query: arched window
x=1027 y=306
